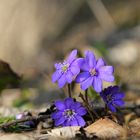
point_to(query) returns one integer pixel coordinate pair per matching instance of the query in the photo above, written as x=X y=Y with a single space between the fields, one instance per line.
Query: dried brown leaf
x=106 y=129
x=16 y=136
x=61 y=133
x=67 y=132
x=134 y=127
x=129 y=117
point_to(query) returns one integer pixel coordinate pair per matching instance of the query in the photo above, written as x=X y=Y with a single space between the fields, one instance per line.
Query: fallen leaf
x=63 y=133
x=16 y=137
x=106 y=129
x=129 y=117
x=134 y=127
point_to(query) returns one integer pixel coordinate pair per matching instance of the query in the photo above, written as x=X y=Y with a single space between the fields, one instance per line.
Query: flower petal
x=62 y=81
x=118 y=95
x=97 y=84
x=111 y=107
x=84 y=65
x=106 y=77
x=74 y=122
x=103 y=96
x=79 y=61
x=81 y=111
x=56 y=115
x=100 y=63
x=87 y=83
x=69 y=102
x=60 y=105
x=90 y=58
x=106 y=69
x=119 y=103
x=72 y=56
x=74 y=69
x=29 y=123
x=69 y=77
x=81 y=121
x=56 y=75
x=66 y=123
x=57 y=66
x=76 y=105
x=114 y=89
x=20 y=116
x=60 y=121
x=82 y=76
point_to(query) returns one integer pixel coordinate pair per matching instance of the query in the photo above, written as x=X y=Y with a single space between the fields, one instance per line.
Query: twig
x=30 y=118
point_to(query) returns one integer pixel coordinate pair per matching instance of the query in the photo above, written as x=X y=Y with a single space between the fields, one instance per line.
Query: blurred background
x=34 y=34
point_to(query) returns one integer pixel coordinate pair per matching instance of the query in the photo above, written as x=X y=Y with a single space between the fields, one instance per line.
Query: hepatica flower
x=27 y=123
x=69 y=113
x=66 y=71
x=113 y=97
x=94 y=72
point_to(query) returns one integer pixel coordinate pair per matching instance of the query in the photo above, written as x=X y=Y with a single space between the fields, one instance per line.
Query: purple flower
x=112 y=97
x=19 y=116
x=94 y=72
x=66 y=71
x=23 y=115
x=69 y=113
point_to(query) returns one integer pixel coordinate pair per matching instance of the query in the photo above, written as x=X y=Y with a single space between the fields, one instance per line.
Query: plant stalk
x=69 y=90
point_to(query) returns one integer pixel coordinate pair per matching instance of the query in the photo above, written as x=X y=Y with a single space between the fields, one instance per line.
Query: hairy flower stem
x=97 y=116
x=89 y=109
x=69 y=90
x=86 y=95
x=86 y=99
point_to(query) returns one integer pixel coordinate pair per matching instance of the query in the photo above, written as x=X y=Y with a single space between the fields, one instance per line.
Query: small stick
x=30 y=118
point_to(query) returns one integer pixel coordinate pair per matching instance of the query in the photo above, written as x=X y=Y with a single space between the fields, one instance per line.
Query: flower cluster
x=93 y=71
x=88 y=72
x=69 y=113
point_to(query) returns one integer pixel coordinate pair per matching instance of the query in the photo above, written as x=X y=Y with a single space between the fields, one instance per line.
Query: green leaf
x=6 y=119
x=93 y=94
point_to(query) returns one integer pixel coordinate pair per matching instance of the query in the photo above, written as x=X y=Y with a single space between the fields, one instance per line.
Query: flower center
x=92 y=72
x=109 y=97
x=69 y=113
x=64 y=66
